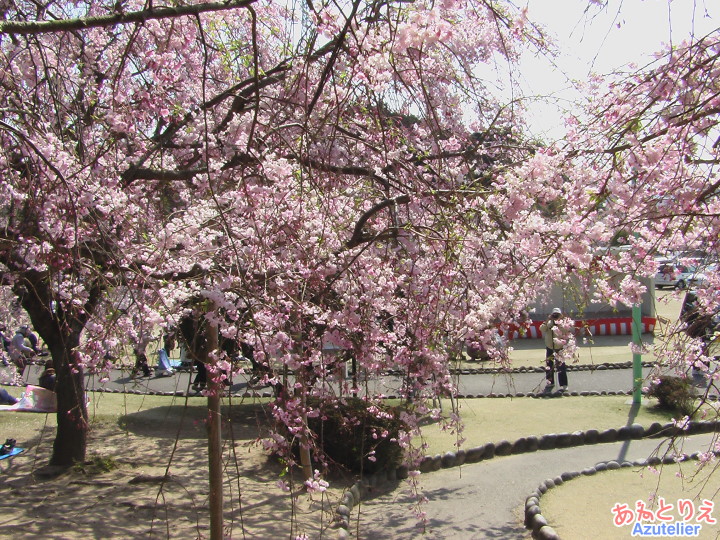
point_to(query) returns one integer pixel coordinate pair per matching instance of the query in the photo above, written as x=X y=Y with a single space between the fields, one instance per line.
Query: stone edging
x=256 y=394
x=536 y=522
x=465 y=371
x=248 y=395
x=537 y=369
x=522 y=445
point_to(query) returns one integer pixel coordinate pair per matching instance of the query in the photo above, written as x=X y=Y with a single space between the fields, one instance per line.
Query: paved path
x=615 y=380
x=485 y=384
x=486 y=499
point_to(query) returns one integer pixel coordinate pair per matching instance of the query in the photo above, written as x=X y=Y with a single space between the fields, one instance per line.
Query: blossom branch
x=66 y=25
x=358 y=237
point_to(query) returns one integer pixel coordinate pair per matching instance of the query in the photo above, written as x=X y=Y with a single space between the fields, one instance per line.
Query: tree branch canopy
x=66 y=25
x=357 y=236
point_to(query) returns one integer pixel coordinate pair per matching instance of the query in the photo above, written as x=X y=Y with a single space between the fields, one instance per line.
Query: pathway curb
x=538 y=524
x=523 y=445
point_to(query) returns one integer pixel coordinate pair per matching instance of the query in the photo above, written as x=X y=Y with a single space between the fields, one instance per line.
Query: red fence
x=610 y=326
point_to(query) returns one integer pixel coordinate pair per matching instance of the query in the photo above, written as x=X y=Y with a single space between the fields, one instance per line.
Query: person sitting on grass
x=6 y=398
x=47 y=378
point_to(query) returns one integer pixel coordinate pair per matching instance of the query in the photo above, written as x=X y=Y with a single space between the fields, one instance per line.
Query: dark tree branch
x=142 y=173
x=358 y=237
x=66 y=25
x=247 y=88
x=352 y=170
x=331 y=62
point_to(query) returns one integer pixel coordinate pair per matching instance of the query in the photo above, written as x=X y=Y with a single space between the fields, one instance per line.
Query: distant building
x=601 y=319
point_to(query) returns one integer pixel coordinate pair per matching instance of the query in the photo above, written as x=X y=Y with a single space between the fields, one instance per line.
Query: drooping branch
x=242 y=94
x=661 y=132
x=80 y=23
x=613 y=150
x=333 y=57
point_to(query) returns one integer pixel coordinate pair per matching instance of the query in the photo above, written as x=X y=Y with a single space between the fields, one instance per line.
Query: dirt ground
x=146 y=477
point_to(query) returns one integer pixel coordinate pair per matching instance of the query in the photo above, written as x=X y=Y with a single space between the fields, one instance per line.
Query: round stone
x=503 y=448
x=449 y=459
x=547 y=533
x=489 y=452
x=537 y=522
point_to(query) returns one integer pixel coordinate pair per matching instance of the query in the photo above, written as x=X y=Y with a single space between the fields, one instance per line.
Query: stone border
x=523 y=445
x=538 y=524
x=536 y=369
x=462 y=371
x=256 y=395
x=535 y=395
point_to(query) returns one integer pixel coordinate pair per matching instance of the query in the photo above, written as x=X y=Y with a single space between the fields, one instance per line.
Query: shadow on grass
x=188 y=421
x=632 y=414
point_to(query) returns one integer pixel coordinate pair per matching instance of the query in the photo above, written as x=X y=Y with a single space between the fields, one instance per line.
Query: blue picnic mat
x=14 y=452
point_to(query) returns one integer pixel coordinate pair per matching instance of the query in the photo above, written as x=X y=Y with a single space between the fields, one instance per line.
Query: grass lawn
x=495 y=419
x=593 y=497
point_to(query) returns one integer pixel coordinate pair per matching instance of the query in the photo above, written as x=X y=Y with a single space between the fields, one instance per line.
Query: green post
x=637 y=357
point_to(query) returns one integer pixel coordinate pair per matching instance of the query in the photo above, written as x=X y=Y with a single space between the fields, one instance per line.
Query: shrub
x=674 y=394
x=359 y=435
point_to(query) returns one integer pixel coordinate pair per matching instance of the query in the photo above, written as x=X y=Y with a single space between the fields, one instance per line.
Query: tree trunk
x=215 y=466
x=61 y=330
x=305 y=459
x=72 y=418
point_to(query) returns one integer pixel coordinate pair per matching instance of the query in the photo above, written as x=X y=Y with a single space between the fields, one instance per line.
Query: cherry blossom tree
x=74 y=230
x=649 y=140
x=283 y=179
x=349 y=182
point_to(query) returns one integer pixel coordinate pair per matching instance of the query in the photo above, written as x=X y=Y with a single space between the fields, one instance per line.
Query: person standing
x=5 y=339
x=139 y=350
x=553 y=347
x=200 y=381
x=6 y=345
x=259 y=370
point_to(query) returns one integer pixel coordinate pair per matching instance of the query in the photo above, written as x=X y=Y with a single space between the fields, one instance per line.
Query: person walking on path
x=553 y=348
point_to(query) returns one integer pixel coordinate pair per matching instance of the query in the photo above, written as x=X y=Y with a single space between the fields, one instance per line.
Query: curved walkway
x=486 y=499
